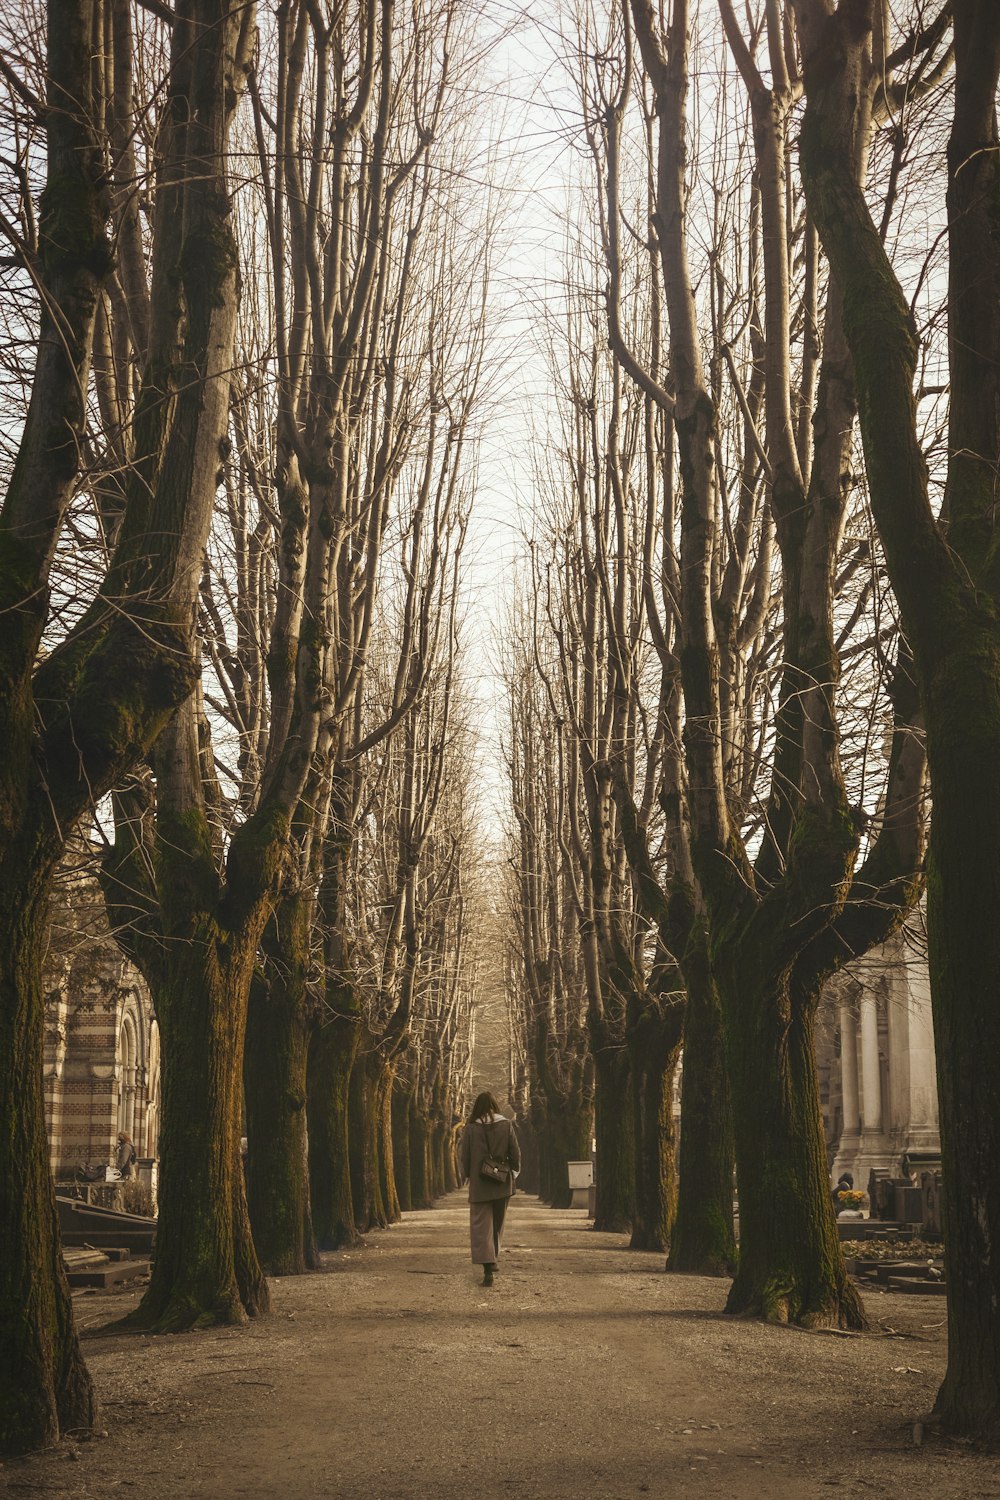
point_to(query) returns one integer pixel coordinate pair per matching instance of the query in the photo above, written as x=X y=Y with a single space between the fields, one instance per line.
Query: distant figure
x=490 y=1158
x=845 y=1184
x=125 y=1155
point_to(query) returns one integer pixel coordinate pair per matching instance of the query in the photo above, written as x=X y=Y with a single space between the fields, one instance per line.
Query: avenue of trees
x=233 y=528
x=756 y=608
x=750 y=665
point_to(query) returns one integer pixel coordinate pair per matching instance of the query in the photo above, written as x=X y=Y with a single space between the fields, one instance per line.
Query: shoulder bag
x=491 y=1167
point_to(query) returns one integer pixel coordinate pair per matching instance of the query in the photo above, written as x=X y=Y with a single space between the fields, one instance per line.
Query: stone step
x=916 y=1287
x=106 y=1272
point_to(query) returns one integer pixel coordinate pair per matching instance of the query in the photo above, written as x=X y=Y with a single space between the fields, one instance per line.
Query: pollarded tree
x=78 y=719
x=779 y=923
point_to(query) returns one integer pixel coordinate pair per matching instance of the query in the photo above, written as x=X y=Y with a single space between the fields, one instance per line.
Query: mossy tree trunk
x=205 y=1270
x=654 y=1049
x=279 y=1025
x=703 y=1240
x=44 y=1385
x=790 y=1267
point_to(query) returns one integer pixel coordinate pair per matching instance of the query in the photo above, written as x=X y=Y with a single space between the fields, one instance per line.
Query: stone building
x=875 y=1056
x=102 y=1054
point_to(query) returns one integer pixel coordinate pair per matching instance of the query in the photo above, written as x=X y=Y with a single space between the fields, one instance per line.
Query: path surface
x=585 y=1372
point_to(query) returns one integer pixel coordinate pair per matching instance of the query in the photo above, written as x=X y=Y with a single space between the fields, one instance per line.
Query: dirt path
x=585 y=1372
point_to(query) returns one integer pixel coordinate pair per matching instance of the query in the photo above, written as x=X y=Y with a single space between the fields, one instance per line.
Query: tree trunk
x=945 y=581
x=614 y=1131
x=963 y=893
x=791 y=1269
x=420 y=1192
x=402 y=1100
x=703 y=1241
x=206 y=1269
x=451 y=1173
x=654 y=1049
x=274 y=1077
x=364 y=1137
x=44 y=1385
x=567 y=1138
x=437 y=1159
x=546 y=1153
x=332 y=1054
x=386 y=1160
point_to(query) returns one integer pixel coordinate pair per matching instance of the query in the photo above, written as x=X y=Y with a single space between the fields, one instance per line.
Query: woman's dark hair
x=485 y=1105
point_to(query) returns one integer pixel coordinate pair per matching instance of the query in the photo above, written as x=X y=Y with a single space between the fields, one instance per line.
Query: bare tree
x=546 y=982
x=943 y=572
x=81 y=717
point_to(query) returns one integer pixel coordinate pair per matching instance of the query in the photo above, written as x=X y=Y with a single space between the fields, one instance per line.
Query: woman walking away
x=491 y=1159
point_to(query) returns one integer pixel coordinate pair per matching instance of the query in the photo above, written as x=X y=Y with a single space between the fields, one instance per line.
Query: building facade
x=102 y=1053
x=875 y=1057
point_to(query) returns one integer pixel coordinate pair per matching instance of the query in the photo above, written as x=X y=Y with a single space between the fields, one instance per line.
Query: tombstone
x=908 y=1206
x=879 y=1189
x=932 y=1193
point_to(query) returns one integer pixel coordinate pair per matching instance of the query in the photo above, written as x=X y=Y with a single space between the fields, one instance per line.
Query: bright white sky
x=530 y=118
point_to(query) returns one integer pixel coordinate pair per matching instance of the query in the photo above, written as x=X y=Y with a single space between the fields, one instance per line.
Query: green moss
x=72 y=218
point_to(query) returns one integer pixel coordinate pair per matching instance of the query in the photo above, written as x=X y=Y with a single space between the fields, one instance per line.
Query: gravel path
x=585 y=1372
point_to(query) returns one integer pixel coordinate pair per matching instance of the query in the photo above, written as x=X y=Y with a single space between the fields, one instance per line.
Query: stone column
x=847 y=1148
x=911 y=1059
x=871 y=1075
x=849 y=1070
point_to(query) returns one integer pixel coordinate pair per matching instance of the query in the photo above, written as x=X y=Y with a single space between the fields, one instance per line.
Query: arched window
x=128 y=1057
x=152 y=1134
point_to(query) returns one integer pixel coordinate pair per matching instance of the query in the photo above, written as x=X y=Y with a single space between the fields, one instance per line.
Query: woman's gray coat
x=503 y=1146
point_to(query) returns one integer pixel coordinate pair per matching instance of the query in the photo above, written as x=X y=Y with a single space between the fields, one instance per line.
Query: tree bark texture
x=386 y=1157
x=614 y=1130
x=331 y=1061
x=401 y=1106
x=791 y=1269
x=654 y=1050
x=420 y=1159
x=45 y=1388
x=366 y=1143
x=206 y=1270
x=274 y=1080
x=703 y=1240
